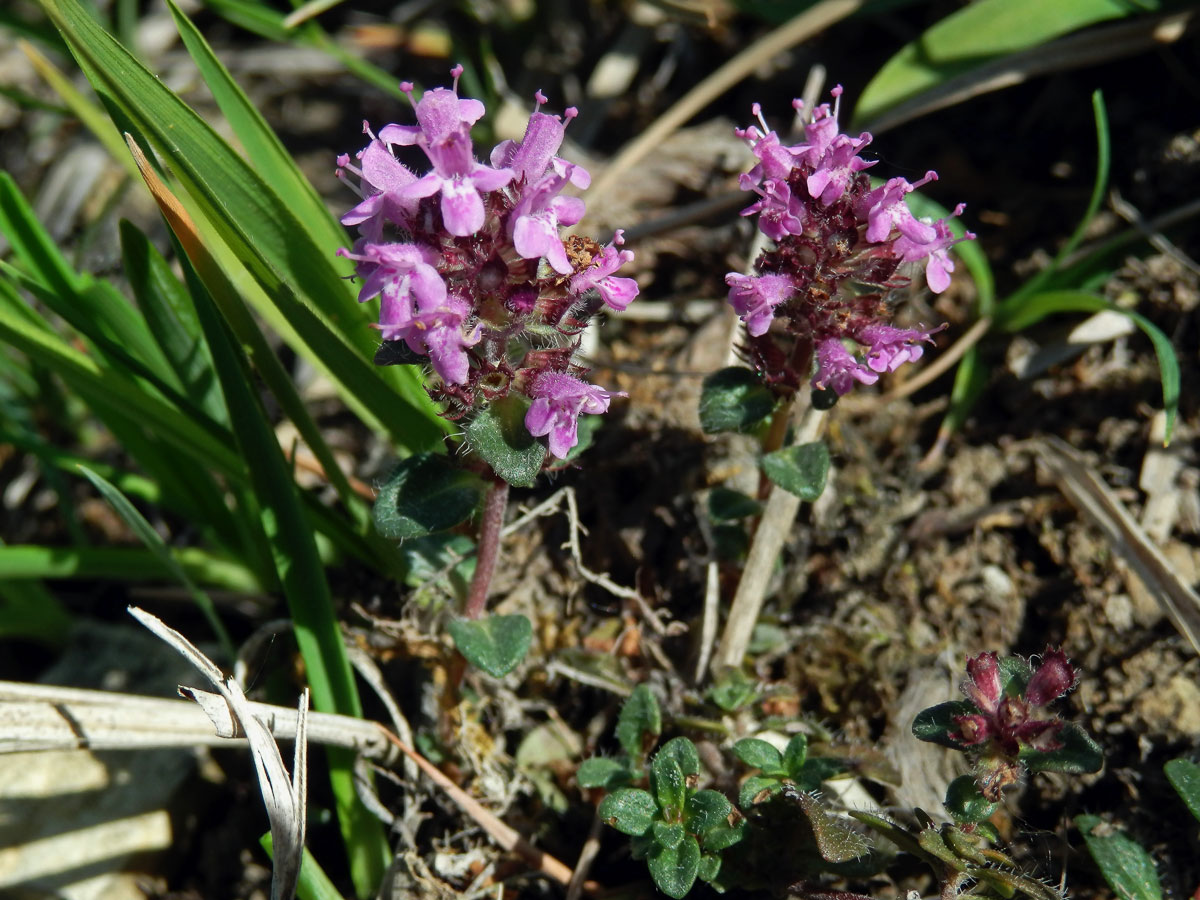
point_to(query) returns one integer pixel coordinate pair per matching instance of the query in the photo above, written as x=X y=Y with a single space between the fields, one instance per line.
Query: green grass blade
x=206 y=279
x=1099 y=187
x=259 y=226
x=169 y=316
x=272 y=161
x=93 y=308
x=24 y=561
x=155 y=544
x=110 y=389
x=303 y=581
x=28 y=611
x=1036 y=307
x=314 y=884
x=979 y=33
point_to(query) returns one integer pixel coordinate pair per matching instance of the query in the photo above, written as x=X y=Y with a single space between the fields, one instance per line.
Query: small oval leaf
x=964 y=802
x=425 y=493
x=1128 y=869
x=799 y=470
x=674 y=869
x=759 y=755
x=639 y=724
x=733 y=399
x=494 y=644
x=629 y=810
x=498 y=434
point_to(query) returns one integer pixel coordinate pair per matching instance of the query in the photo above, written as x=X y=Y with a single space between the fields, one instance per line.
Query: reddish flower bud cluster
x=1009 y=720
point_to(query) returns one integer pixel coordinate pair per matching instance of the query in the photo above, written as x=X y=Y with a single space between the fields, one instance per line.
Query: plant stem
x=488 y=549
x=773 y=529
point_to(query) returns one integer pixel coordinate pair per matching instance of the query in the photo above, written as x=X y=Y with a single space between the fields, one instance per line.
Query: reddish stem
x=488 y=549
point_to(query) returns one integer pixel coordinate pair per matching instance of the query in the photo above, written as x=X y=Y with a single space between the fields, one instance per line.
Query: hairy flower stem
x=488 y=550
x=773 y=529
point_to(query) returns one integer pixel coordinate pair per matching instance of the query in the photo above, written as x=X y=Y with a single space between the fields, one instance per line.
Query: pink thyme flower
x=530 y=158
x=436 y=330
x=558 y=401
x=453 y=255
x=617 y=293
x=443 y=132
x=537 y=217
x=401 y=273
x=779 y=213
x=889 y=348
x=754 y=298
x=838 y=369
x=842 y=247
x=933 y=249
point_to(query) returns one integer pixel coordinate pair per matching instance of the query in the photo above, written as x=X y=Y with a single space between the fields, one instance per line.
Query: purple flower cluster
x=470 y=266
x=840 y=248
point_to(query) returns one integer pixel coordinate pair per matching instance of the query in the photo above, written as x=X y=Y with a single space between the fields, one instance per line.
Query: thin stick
x=773 y=530
x=805 y=25
x=503 y=834
x=488 y=549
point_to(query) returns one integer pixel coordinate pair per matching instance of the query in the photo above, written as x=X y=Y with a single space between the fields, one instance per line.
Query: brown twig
x=505 y=836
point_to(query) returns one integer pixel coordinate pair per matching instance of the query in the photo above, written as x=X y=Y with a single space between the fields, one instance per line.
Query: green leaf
x=977 y=33
x=667 y=835
x=667 y=782
x=795 y=754
x=759 y=755
x=733 y=689
x=271 y=160
x=725 y=505
x=313 y=883
x=1078 y=755
x=168 y=311
x=302 y=577
x=710 y=867
x=799 y=470
x=494 y=644
x=936 y=723
x=23 y=561
x=425 y=493
x=751 y=791
x=148 y=536
x=674 y=869
x=1128 y=869
x=603 y=772
x=964 y=802
x=498 y=434
x=1184 y=776
x=733 y=399
x=28 y=611
x=683 y=751
x=629 y=810
x=238 y=207
x=705 y=811
x=639 y=724
x=835 y=842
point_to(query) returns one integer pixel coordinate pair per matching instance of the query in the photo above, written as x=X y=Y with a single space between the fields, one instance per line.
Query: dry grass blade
x=805 y=25
x=769 y=538
x=49 y=717
x=1091 y=47
x=1129 y=542
x=283 y=796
